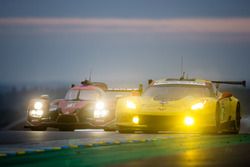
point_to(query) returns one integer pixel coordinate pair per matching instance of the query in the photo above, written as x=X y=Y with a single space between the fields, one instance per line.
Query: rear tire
x=38 y=128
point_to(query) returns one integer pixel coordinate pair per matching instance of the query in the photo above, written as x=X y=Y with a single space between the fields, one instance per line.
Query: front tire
x=150 y=131
x=66 y=129
x=125 y=131
x=109 y=129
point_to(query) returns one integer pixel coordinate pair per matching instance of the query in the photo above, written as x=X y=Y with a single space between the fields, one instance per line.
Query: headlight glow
x=131 y=105
x=99 y=105
x=189 y=121
x=38 y=105
x=100 y=113
x=197 y=106
x=135 y=119
x=36 y=113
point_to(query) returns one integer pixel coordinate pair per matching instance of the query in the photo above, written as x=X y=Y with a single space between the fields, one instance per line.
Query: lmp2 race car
x=185 y=105
x=88 y=105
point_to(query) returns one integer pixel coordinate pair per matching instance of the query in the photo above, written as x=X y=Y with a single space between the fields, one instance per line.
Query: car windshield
x=89 y=95
x=175 y=92
x=83 y=95
x=71 y=95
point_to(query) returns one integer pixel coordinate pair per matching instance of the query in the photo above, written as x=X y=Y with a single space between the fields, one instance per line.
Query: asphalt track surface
x=166 y=149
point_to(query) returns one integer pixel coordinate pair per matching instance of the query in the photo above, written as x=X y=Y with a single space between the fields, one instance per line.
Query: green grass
x=114 y=154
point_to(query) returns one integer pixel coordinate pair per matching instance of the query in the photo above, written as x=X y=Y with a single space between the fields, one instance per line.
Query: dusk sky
x=123 y=42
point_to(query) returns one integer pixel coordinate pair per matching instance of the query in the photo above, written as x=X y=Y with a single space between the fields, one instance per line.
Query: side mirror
x=226 y=95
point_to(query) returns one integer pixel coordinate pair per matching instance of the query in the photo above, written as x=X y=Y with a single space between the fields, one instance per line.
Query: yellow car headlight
x=197 y=106
x=135 y=119
x=189 y=121
x=38 y=105
x=131 y=105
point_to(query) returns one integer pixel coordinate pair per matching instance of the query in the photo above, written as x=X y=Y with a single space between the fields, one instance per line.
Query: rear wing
x=139 y=89
x=243 y=83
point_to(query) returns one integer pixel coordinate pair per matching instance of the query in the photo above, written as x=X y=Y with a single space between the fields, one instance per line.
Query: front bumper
x=165 y=123
x=71 y=121
x=60 y=124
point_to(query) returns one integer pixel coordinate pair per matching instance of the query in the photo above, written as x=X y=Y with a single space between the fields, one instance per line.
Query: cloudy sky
x=123 y=42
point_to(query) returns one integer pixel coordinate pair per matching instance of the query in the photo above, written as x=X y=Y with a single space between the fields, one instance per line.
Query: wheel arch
x=236 y=107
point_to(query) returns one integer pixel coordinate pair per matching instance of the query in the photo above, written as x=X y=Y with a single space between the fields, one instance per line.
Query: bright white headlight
x=36 y=113
x=197 y=106
x=38 y=105
x=135 y=119
x=99 y=105
x=100 y=113
x=131 y=105
x=189 y=121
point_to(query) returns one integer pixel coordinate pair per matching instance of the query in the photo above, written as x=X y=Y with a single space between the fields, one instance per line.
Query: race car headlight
x=197 y=106
x=131 y=105
x=189 y=121
x=38 y=105
x=100 y=113
x=99 y=105
x=135 y=119
x=36 y=113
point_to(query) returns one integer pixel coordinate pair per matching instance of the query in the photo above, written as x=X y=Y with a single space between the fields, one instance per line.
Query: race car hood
x=69 y=107
x=148 y=104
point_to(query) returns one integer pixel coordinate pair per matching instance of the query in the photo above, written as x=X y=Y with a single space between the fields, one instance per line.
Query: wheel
x=126 y=131
x=150 y=131
x=66 y=129
x=109 y=129
x=237 y=120
x=38 y=128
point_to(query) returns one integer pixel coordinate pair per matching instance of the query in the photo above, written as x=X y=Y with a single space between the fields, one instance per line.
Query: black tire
x=125 y=131
x=109 y=129
x=38 y=128
x=150 y=131
x=66 y=129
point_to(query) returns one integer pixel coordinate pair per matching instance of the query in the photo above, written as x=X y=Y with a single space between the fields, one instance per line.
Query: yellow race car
x=186 y=105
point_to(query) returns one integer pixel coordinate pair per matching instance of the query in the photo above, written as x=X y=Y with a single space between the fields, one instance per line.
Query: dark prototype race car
x=89 y=105
x=84 y=106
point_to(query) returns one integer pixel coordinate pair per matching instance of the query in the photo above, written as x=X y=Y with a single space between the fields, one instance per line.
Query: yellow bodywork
x=188 y=113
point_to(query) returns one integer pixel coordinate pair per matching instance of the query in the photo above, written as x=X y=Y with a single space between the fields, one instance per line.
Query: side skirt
x=227 y=126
